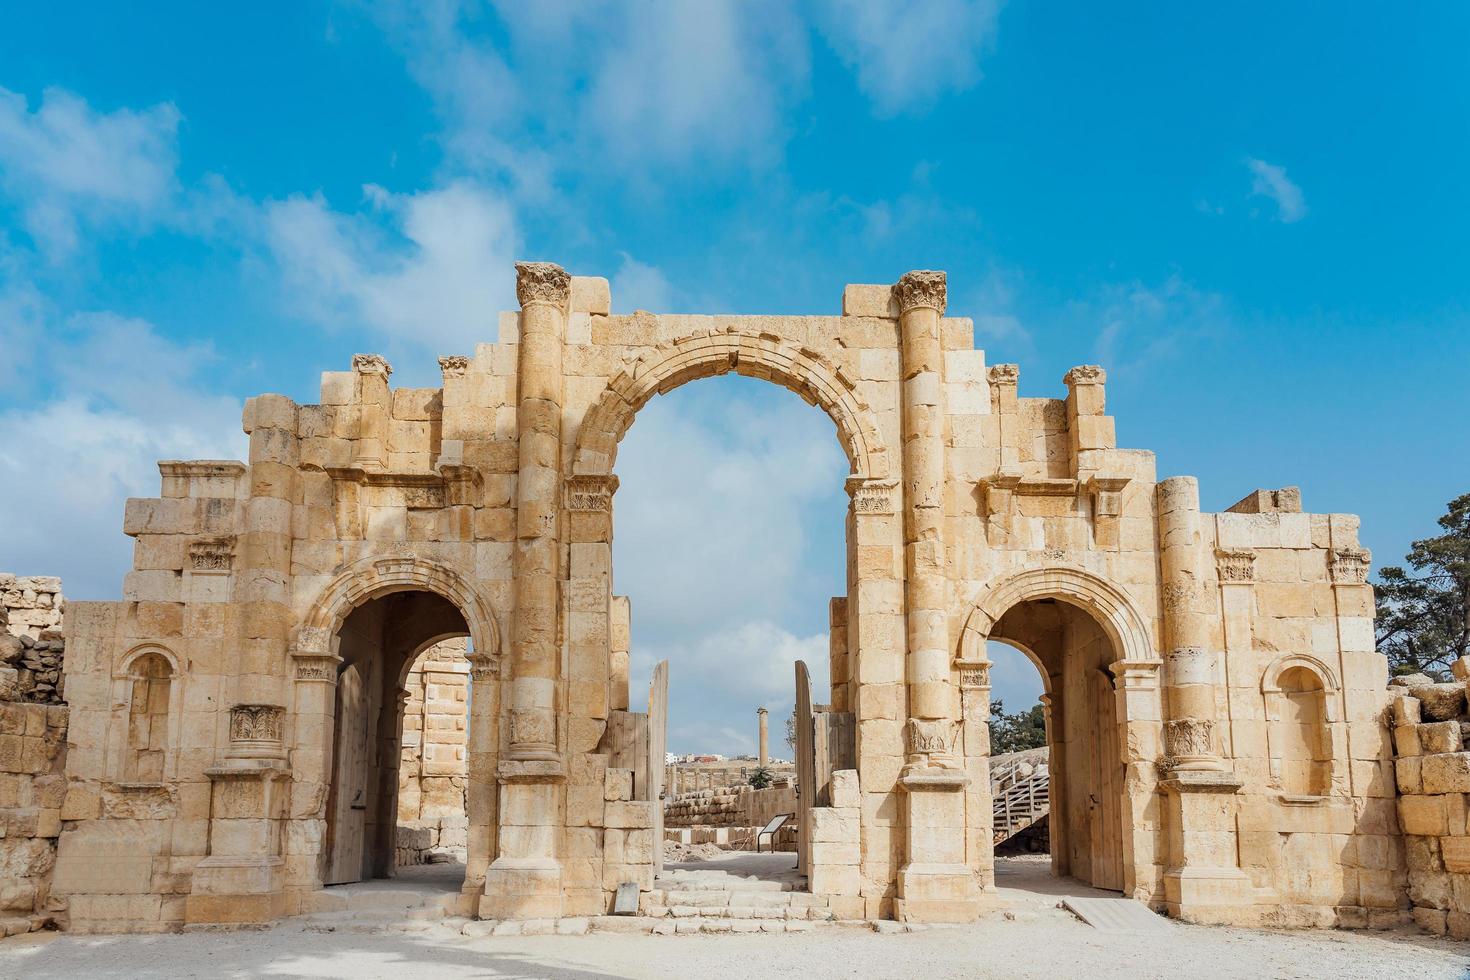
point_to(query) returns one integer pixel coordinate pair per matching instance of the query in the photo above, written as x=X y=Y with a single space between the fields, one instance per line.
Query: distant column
x=765 y=737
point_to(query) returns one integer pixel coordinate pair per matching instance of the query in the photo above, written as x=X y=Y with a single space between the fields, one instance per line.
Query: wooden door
x=1105 y=807
x=348 y=799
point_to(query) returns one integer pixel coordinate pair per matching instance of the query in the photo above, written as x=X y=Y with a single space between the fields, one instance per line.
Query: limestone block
x=1408 y=772
x=1406 y=741
x=845 y=791
x=1423 y=816
x=1405 y=710
x=1438 y=737
x=1440 y=702
x=835 y=826
x=1455 y=856
x=869 y=301
x=1446 y=773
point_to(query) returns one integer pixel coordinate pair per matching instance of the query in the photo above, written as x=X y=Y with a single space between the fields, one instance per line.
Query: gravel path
x=1047 y=944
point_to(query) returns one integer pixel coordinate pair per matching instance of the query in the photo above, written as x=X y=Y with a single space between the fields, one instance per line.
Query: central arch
x=798 y=369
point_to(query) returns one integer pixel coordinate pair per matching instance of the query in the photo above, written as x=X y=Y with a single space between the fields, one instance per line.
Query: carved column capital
x=1004 y=374
x=542 y=282
x=1085 y=374
x=871 y=496
x=592 y=492
x=256 y=731
x=923 y=288
x=1348 y=566
x=1235 y=566
x=454 y=365
x=371 y=364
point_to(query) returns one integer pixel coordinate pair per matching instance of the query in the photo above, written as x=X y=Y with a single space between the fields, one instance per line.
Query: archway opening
x=381 y=642
x=1076 y=783
x=730 y=546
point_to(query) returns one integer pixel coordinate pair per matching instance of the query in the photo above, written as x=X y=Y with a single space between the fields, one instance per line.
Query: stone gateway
x=1219 y=747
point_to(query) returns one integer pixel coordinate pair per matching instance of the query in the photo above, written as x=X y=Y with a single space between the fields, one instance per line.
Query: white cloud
x=636 y=286
x=728 y=540
x=432 y=268
x=717 y=680
x=1270 y=181
x=1142 y=323
x=127 y=398
x=67 y=164
x=908 y=55
x=589 y=88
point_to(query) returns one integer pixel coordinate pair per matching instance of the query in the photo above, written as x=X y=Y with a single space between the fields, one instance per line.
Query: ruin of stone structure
x=235 y=737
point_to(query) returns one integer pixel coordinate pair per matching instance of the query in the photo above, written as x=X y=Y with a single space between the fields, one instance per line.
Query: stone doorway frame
x=314 y=652
x=1138 y=704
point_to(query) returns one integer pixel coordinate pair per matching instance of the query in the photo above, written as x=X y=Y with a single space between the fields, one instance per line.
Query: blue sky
x=1252 y=215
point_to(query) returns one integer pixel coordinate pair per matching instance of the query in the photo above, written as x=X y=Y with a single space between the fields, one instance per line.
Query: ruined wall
x=32 y=749
x=728 y=806
x=1430 y=723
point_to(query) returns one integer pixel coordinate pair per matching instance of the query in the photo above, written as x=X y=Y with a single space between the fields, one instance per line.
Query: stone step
x=729 y=883
x=689 y=926
x=797 y=913
x=714 y=899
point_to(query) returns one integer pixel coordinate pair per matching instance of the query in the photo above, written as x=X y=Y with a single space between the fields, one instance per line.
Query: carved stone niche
x=256 y=732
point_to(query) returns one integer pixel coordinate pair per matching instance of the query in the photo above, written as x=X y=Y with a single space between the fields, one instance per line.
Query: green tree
x=1018 y=732
x=1423 y=621
x=761 y=777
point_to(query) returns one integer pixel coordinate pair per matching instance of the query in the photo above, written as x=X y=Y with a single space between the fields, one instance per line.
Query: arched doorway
x=1094 y=652
x=378 y=643
x=1084 y=762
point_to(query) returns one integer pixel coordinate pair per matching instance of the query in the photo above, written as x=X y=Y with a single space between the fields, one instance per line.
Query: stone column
x=935 y=885
x=765 y=736
x=524 y=881
x=1202 y=880
x=1189 y=677
x=374 y=404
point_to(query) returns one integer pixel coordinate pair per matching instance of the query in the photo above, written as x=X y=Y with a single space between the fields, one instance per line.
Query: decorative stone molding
x=1004 y=374
x=454 y=365
x=317 y=668
x=1085 y=374
x=919 y=289
x=256 y=731
x=974 y=674
x=1189 y=738
x=931 y=736
x=872 y=496
x=212 y=555
x=542 y=282
x=371 y=364
x=1349 y=566
x=532 y=727
x=484 y=668
x=1235 y=566
x=591 y=493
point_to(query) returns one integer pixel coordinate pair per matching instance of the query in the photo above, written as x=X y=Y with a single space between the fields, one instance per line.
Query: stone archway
x=1096 y=655
x=450 y=606
x=704 y=355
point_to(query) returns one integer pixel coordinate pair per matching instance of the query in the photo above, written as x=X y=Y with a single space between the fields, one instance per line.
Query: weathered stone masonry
x=1215 y=705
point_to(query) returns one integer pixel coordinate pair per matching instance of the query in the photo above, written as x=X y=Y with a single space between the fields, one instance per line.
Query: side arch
x=376 y=576
x=1113 y=608
x=702 y=355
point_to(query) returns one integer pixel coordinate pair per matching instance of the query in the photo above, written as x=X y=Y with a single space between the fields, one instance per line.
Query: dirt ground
x=1046 y=944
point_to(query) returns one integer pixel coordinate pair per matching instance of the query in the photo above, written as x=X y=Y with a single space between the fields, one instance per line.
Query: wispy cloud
x=67 y=165
x=907 y=55
x=68 y=462
x=1270 y=181
x=1142 y=323
x=432 y=268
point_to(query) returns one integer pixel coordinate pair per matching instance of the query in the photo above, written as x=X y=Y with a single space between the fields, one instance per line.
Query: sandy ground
x=1038 y=941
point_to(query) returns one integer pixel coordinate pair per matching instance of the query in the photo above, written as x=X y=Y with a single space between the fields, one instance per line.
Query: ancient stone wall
x=729 y=806
x=432 y=773
x=31 y=643
x=1430 y=723
x=32 y=750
